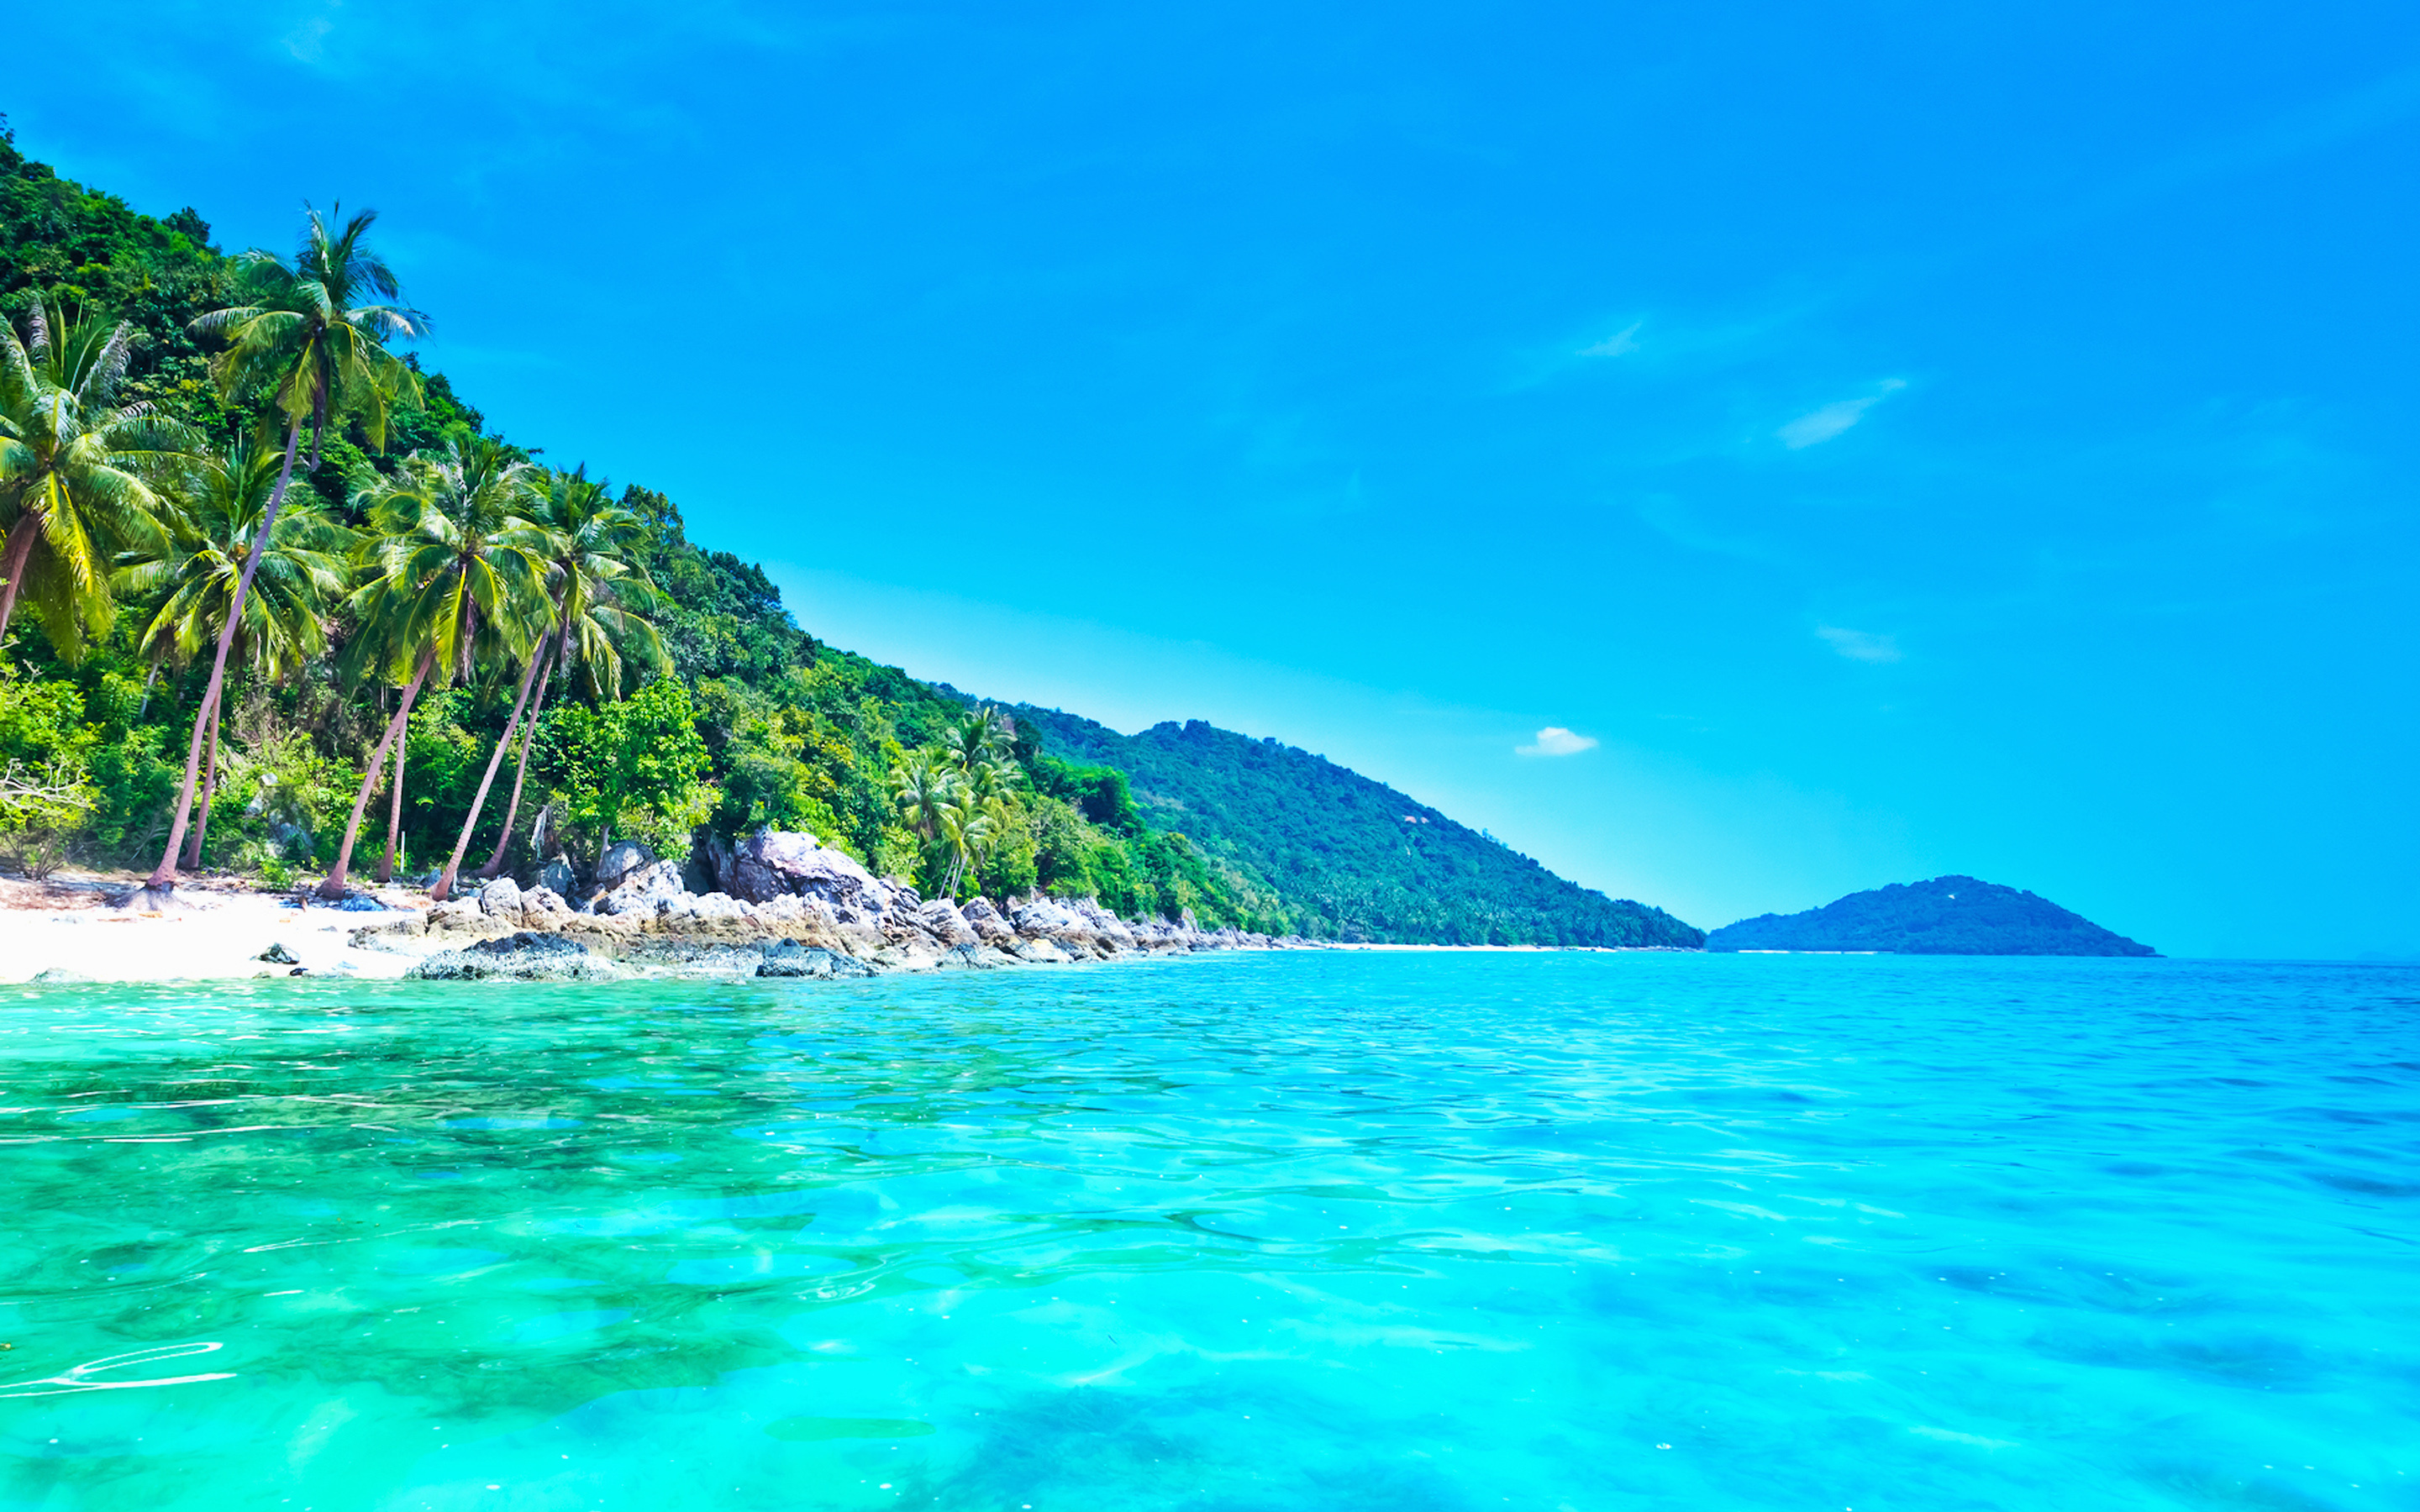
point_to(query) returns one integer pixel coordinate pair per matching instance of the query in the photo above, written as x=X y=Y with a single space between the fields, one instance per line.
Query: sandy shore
x=64 y=928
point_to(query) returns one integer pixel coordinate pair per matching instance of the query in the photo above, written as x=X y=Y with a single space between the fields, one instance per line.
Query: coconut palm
x=967 y=832
x=195 y=571
x=77 y=470
x=923 y=788
x=596 y=596
x=455 y=561
x=311 y=334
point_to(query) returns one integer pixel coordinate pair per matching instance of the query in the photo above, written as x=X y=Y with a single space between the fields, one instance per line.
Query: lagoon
x=1555 y=1231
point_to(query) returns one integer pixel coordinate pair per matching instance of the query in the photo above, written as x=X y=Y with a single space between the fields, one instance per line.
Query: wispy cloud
x=1817 y=426
x=1555 y=740
x=1858 y=646
x=1614 y=346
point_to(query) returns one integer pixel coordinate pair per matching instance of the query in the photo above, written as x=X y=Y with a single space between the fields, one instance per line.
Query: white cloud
x=1555 y=740
x=1817 y=426
x=1858 y=646
x=1617 y=344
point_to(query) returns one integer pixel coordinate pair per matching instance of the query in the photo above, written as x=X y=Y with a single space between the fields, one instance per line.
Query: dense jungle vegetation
x=1347 y=858
x=448 y=660
x=424 y=583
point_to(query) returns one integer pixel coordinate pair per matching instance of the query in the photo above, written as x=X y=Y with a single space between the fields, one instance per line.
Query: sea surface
x=1335 y=1230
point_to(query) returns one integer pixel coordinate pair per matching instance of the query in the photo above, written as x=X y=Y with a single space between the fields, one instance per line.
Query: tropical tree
x=922 y=787
x=195 y=571
x=596 y=598
x=455 y=559
x=311 y=335
x=75 y=471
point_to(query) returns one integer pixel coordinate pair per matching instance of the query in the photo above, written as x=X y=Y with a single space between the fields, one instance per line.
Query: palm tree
x=923 y=787
x=968 y=832
x=301 y=573
x=73 y=490
x=596 y=598
x=312 y=334
x=455 y=559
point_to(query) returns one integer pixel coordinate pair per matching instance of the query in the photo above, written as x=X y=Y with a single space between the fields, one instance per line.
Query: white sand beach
x=64 y=930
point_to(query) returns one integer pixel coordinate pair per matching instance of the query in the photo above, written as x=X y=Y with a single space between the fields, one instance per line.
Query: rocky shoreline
x=781 y=904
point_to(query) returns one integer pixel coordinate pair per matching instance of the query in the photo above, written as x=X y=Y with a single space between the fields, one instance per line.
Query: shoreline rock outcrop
x=785 y=906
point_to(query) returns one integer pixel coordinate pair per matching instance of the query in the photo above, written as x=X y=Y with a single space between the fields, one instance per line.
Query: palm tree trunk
x=209 y=789
x=445 y=887
x=12 y=562
x=163 y=877
x=148 y=678
x=520 y=769
x=335 y=884
x=394 y=805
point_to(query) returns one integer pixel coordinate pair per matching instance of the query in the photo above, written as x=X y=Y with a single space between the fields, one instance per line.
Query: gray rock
x=787 y=958
x=557 y=877
x=620 y=859
x=59 y=975
x=501 y=898
x=649 y=892
x=714 y=906
x=544 y=902
x=774 y=863
x=1042 y=953
x=941 y=919
x=278 y=955
x=988 y=925
x=525 y=956
x=1042 y=918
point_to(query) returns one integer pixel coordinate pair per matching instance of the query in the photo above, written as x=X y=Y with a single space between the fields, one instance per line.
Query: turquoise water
x=1331 y=1231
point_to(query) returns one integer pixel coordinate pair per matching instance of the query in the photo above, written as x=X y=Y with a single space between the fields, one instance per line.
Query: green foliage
x=46 y=791
x=632 y=770
x=1302 y=844
x=740 y=718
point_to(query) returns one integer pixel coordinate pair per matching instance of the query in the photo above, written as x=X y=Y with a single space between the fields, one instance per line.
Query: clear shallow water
x=1259 y=1232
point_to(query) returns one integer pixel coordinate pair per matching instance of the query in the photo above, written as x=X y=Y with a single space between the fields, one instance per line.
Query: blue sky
x=1888 y=439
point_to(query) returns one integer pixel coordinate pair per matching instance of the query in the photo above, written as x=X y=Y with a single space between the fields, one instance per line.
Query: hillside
x=1947 y=915
x=1348 y=856
x=697 y=708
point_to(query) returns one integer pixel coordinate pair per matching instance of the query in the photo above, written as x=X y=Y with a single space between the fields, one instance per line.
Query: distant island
x=1947 y=915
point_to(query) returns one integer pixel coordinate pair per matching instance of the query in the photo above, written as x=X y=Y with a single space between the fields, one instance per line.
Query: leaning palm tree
x=596 y=598
x=77 y=470
x=311 y=334
x=967 y=831
x=453 y=559
x=195 y=572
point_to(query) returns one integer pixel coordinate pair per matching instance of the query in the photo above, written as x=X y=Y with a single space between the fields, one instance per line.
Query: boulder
x=1042 y=953
x=1043 y=918
x=651 y=890
x=557 y=877
x=524 y=956
x=788 y=958
x=774 y=863
x=458 y=916
x=622 y=857
x=942 y=921
x=713 y=907
x=278 y=955
x=543 y=903
x=989 y=927
x=501 y=898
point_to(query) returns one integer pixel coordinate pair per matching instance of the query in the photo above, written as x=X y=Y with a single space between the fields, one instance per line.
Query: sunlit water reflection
x=1330 y=1232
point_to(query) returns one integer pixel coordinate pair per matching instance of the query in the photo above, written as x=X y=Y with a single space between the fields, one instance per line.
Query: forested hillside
x=455 y=660
x=1947 y=915
x=1346 y=856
